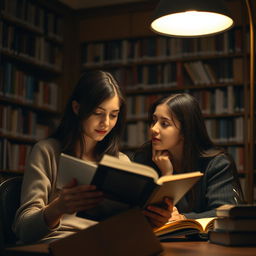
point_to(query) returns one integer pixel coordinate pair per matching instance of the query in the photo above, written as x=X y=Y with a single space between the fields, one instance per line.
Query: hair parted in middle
x=197 y=143
x=92 y=89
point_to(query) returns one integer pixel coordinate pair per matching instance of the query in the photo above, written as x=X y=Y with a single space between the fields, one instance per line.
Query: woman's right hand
x=74 y=198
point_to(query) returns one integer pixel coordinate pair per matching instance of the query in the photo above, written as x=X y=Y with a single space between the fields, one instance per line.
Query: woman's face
x=165 y=130
x=102 y=120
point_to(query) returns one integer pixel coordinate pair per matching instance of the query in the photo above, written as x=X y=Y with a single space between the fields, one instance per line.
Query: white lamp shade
x=179 y=18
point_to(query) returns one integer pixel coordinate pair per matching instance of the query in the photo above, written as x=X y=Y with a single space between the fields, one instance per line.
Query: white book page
x=205 y=221
x=71 y=167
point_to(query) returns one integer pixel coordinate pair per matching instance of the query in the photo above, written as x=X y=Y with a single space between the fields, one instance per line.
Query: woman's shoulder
x=217 y=161
x=221 y=157
x=49 y=145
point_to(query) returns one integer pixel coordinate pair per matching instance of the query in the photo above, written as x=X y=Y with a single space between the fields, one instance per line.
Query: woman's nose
x=105 y=121
x=154 y=128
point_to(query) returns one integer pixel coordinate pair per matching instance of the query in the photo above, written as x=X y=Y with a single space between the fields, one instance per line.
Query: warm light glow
x=191 y=23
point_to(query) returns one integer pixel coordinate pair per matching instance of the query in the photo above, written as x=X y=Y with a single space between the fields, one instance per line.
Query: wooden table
x=181 y=248
x=205 y=248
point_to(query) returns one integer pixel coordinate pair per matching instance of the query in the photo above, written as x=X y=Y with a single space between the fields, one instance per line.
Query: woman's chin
x=158 y=147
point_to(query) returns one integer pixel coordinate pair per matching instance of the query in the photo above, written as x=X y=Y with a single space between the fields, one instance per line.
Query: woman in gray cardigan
x=180 y=143
x=91 y=126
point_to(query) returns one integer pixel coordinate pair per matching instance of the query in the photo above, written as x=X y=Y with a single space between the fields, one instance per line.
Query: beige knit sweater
x=38 y=190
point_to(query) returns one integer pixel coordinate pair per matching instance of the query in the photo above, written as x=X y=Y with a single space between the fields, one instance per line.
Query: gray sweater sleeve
x=29 y=224
x=38 y=190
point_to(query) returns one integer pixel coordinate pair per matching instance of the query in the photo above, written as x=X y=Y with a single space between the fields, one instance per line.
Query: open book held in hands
x=125 y=184
x=185 y=227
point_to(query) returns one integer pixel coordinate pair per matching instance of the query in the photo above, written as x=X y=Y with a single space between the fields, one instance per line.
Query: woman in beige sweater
x=91 y=127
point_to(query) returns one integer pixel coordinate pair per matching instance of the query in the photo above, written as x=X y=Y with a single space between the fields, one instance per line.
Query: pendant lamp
x=194 y=18
x=190 y=18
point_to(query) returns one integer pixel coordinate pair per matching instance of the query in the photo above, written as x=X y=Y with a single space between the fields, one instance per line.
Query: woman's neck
x=88 y=150
x=90 y=158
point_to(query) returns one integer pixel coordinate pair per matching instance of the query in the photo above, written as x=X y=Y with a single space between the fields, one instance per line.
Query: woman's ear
x=75 y=106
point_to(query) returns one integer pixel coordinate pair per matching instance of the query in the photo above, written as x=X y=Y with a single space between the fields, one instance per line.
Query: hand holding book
x=124 y=184
x=158 y=215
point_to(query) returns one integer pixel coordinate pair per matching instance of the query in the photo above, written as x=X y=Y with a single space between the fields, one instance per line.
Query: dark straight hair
x=197 y=144
x=92 y=89
x=185 y=108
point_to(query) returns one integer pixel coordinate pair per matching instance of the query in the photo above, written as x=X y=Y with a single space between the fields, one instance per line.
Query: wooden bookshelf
x=121 y=42
x=32 y=42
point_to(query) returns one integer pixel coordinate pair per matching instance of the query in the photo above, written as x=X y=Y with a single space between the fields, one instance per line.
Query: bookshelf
x=31 y=65
x=214 y=69
x=153 y=66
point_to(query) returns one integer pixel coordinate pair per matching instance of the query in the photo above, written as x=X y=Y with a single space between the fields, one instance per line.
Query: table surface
x=176 y=248
x=205 y=248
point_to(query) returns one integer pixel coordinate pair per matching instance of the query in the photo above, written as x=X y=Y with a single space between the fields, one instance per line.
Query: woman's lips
x=101 y=132
x=155 y=139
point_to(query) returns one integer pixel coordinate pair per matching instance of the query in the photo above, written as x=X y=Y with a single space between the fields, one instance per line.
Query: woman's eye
x=165 y=124
x=113 y=116
x=97 y=113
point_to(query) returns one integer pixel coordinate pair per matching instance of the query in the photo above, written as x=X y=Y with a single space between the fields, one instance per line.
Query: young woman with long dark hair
x=91 y=126
x=180 y=143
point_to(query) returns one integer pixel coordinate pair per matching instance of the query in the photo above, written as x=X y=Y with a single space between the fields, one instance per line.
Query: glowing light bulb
x=191 y=23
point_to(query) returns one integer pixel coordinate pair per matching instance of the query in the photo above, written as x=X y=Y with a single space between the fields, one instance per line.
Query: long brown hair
x=91 y=90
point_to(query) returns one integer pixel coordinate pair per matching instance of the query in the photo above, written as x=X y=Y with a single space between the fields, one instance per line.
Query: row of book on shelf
x=227 y=100
x=135 y=49
x=227 y=70
x=180 y=73
x=20 y=122
x=225 y=130
x=27 y=88
x=34 y=15
x=15 y=40
x=13 y=156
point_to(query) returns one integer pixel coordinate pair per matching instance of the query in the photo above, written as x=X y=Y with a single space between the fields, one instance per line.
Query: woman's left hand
x=162 y=159
x=158 y=216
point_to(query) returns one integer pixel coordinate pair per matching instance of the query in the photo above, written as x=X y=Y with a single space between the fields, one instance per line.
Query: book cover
x=235 y=224
x=235 y=238
x=237 y=211
x=126 y=234
x=124 y=184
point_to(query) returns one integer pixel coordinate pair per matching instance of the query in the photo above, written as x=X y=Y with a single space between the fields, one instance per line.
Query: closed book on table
x=235 y=224
x=236 y=238
x=237 y=211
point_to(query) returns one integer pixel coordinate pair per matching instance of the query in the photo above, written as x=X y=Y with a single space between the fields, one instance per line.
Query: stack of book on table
x=235 y=225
